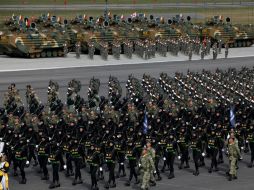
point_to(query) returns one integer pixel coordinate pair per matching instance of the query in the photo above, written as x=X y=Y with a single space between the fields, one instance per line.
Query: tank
x=30 y=43
x=234 y=35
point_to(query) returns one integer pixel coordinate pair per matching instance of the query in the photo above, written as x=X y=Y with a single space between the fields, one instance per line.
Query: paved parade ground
x=38 y=72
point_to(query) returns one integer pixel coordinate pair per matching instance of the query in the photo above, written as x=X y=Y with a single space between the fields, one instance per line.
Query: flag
x=145 y=124
x=232 y=117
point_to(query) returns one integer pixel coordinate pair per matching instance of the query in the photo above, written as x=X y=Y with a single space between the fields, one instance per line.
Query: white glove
x=241 y=158
x=49 y=161
x=1 y=139
x=242 y=147
x=179 y=157
x=164 y=158
x=154 y=172
x=223 y=150
x=36 y=146
x=203 y=154
x=49 y=139
x=139 y=165
x=121 y=164
x=247 y=141
x=27 y=162
x=27 y=141
x=7 y=144
x=65 y=167
x=100 y=169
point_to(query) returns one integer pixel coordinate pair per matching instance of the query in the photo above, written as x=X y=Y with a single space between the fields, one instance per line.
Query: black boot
x=15 y=173
x=180 y=166
x=137 y=181
x=124 y=174
x=216 y=169
x=152 y=183
x=35 y=163
x=113 y=185
x=52 y=185
x=230 y=177
x=80 y=181
x=106 y=186
x=128 y=183
x=74 y=182
x=250 y=165
x=171 y=175
x=57 y=184
x=234 y=177
x=159 y=178
x=196 y=173
x=22 y=181
x=46 y=177
x=187 y=166
x=210 y=170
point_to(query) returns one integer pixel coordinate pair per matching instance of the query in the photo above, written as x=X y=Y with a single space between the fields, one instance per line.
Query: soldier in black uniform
x=20 y=159
x=158 y=155
x=32 y=140
x=170 y=153
x=66 y=150
x=196 y=146
x=110 y=158
x=54 y=160
x=131 y=155
x=94 y=160
x=212 y=144
x=43 y=154
x=250 y=141
x=77 y=154
x=120 y=154
x=220 y=141
x=183 y=143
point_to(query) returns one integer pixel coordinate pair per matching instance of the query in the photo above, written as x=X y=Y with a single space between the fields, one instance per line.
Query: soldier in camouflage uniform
x=147 y=165
x=234 y=154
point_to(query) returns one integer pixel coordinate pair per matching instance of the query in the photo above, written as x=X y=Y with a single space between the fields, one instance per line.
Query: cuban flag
x=145 y=124
x=232 y=117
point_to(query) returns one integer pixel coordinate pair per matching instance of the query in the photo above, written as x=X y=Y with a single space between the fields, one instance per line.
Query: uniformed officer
x=110 y=158
x=78 y=49
x=234 y=154
x=77 y=154
x=54 y=160
x=20 y=159
x=131 y=154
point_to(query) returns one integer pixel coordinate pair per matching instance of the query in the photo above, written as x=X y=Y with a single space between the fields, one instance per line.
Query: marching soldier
x=234 y=154
x=77 y=154
x=215 y=51
x=78 y=49
x=226 y=50
x=131 y=154
x=110 y=158
x=20 y=158
x=65 y=50
x=54 y=160
x=170 y=153
x=212 y=144
x=147 y=167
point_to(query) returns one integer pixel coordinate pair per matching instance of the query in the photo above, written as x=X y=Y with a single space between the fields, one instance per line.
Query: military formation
x=52 y=36
x=136 y=136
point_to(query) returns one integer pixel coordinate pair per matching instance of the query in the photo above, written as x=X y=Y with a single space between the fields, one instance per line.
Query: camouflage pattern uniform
x=234 y=154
